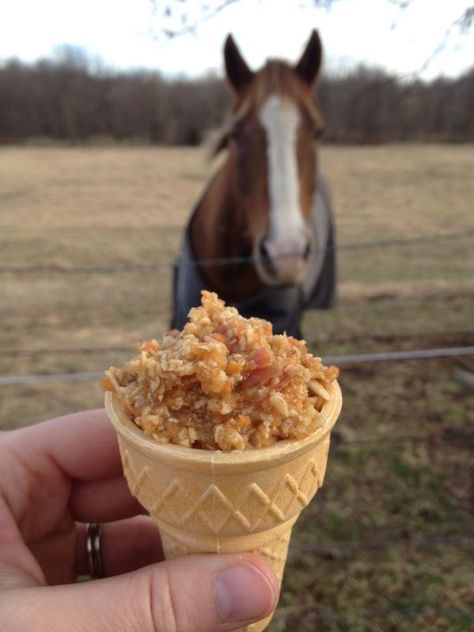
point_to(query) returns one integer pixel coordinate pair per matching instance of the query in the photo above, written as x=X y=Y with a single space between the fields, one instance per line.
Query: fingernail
x=243 y=593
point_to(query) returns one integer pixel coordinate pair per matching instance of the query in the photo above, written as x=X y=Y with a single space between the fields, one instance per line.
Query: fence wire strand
x=388 y=356
x=420 y=354
x=383 y=337
x=222 y=261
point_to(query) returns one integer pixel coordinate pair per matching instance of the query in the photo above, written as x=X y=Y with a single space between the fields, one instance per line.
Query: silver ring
x=94 y=556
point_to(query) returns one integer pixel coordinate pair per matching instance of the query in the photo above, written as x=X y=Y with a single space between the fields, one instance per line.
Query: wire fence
x=382 y=356
x=226 y=261
x=386 y=356
x=379 y=337
x=333 y=551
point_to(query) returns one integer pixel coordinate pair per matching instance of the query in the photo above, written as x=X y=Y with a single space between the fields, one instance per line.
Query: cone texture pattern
x=205 y=501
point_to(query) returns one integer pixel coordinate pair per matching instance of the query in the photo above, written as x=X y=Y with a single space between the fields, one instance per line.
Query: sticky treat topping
x=224 y=382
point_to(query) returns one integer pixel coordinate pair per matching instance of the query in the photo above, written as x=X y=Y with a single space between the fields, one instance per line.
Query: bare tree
x=67 y=102
x=172 y=19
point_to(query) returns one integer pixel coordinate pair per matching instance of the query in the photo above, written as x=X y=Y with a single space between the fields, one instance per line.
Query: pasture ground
x=385 y=545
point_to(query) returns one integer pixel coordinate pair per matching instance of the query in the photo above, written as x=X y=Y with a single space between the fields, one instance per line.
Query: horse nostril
x=307 y=251
x=263 y=250
x=266 y=258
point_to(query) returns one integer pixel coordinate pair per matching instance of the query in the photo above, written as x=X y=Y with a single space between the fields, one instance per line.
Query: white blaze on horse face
x=287 y=237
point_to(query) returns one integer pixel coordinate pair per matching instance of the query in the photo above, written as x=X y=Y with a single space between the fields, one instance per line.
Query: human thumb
x=199 y=593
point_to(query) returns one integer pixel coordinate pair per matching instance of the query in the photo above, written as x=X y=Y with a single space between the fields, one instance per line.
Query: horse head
x=272 y=157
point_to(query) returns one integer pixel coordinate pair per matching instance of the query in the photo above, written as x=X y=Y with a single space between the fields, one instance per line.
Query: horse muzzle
x=283 y=263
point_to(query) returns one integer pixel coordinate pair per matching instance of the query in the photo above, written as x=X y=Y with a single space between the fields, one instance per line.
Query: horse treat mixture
x=223 y=383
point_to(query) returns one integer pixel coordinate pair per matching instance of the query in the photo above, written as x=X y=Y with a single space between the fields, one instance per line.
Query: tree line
x=67 y=100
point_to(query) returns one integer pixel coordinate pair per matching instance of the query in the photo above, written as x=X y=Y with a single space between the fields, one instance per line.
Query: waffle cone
x=225 y=502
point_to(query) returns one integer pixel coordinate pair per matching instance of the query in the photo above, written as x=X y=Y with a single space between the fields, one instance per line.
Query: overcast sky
x=376 y=32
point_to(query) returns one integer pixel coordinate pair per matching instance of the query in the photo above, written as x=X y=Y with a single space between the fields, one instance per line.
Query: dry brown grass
x=87 y=207
x=400 y=190
x=74 y=207
x=379 y=192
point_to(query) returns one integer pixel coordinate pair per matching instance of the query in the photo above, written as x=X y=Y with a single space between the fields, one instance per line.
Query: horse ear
x=308 y=66
x=238 y=73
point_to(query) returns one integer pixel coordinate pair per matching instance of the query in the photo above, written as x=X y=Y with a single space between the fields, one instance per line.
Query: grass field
x=385 y=546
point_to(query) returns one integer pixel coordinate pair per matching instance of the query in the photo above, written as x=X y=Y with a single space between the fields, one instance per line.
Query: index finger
x=83 y=445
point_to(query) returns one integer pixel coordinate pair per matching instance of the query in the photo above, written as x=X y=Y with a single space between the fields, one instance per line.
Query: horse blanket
x=282 y=306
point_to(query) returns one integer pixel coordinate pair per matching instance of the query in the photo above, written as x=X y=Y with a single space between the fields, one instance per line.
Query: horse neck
x=218 y=231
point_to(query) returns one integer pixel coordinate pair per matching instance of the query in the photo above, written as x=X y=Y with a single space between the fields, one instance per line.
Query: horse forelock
x=275 y=78
x=279 y=78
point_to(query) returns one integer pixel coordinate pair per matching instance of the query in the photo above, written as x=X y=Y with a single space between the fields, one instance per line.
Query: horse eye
x=318 y=132
x=235 y=131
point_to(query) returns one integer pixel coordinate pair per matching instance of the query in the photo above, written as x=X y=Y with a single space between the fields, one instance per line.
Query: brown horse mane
x=276 y=77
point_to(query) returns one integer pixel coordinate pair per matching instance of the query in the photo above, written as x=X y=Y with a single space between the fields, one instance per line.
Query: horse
x=261 y=235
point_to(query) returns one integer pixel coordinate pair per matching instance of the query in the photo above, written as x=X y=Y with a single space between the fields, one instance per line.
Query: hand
x=59 y=475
